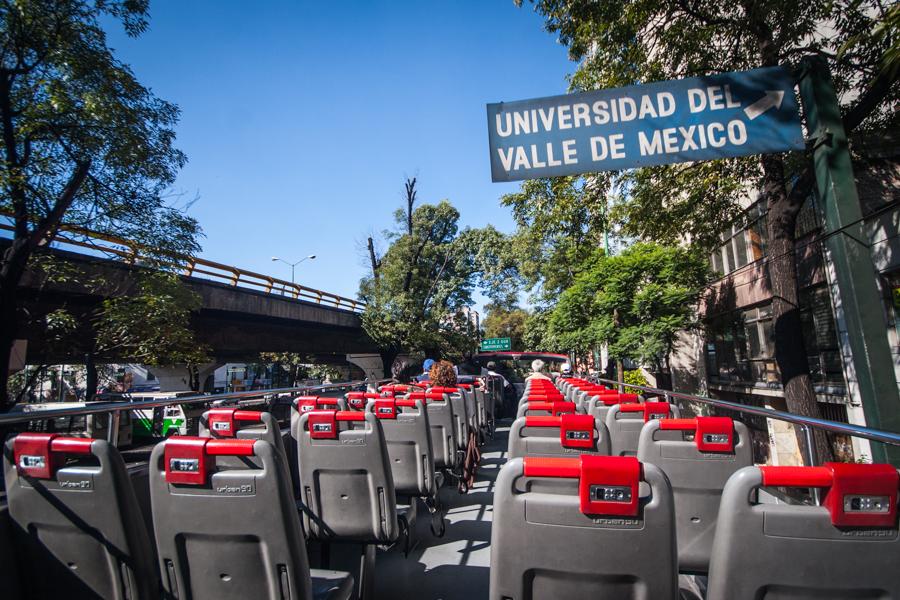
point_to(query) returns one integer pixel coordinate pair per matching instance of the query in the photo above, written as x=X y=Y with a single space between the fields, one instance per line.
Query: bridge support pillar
x=177 y=378
x=369 y=363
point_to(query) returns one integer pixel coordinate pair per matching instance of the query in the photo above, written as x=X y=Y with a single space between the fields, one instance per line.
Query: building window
x=741 y=347
x=820 y=337
x=741 y=246
x=809 y=218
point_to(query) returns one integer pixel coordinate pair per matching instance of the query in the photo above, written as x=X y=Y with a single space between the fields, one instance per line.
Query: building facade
x=732 y=357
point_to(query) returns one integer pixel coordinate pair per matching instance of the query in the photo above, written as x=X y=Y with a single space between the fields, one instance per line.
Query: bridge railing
x=192 y=266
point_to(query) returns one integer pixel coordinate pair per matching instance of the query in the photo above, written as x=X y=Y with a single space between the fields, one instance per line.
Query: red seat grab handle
x=187 y=458
x=678 y=424
x=349 y=415
x=40 y=455
x=858 y=495
x=818 y=477
x=221 y=421
x=230 y=447
x=254 y=416
x=544 y=421
x=71 y=445
x=569 y=468
x=577 y=431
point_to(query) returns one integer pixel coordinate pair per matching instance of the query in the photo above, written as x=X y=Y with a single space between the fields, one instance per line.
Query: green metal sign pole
x=855 y=274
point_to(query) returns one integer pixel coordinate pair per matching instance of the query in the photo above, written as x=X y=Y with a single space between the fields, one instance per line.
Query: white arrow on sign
x=772 y=98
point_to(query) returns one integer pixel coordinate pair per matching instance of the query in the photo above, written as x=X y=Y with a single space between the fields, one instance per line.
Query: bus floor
x=456 y=566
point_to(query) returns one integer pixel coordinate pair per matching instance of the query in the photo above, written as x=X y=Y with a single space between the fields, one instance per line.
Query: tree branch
x=46 y=227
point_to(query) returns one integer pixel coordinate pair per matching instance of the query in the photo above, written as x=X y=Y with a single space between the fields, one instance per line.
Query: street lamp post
x=293 y=264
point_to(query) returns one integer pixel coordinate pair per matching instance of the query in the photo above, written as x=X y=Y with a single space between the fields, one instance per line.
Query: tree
x=501 y=322
x=84 y=144
x=151 y=327
x=635 y=302
x=621 y=43
x=559 y=224
x=418 y=293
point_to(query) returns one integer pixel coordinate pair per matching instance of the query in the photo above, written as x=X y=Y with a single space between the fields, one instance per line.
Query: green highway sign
x=496 y=344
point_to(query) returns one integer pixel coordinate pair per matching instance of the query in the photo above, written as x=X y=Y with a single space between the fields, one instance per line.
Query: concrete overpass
x=242 y=313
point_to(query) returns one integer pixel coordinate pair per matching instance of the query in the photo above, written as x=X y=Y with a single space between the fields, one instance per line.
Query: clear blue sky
x=301 y=119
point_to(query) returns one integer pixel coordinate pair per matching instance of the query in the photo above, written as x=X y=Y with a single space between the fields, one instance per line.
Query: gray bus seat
x=231 y=532
x=542 y=397
x=345 y=478
x=396 y=389
x=599 y=404
x=558 y=436
x=582 y=527
x=626 y=420
x=358 y=400
x=308 y=403
x=443 y=428
x=697 y=470
x=459 y=404
x=474 y=406
x=77 y=528
x=847 y=548
x=539 y=408
x=231 y=423
x=406 y=432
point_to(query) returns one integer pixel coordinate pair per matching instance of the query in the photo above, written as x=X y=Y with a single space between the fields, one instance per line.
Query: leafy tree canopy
x=635 y=302
x=500 y=322
x=559 y=223
x=419 y=292
x=626 y=43
x=85 y=146
x=151 y=327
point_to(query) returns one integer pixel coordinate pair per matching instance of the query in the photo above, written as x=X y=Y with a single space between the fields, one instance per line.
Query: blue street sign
x=700 y=118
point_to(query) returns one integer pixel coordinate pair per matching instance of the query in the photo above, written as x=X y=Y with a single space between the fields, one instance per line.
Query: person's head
x=442 y=374
x=407 y=374
x=537 y=365
x=492 y=366
x=566 y=369
x=426 y=366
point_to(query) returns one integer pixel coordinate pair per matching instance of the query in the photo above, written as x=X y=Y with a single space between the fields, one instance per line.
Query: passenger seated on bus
x=442 y=374
x=426 y=370
x=537 y=366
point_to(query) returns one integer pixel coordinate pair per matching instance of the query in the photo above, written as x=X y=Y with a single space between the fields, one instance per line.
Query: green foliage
x=151 y=327
x=537 y=336
x=624 y=43
x=72 y=102
x=89 y=148
x=418 y=297
x=501 y=322
x=559 y=223
x=884 y=30
x=634 y=377
x=635 y=302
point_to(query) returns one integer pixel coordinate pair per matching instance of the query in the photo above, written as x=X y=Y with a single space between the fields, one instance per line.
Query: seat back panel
x=573 y=554
x=236 y=535
x=697 y=480
x=346 y=483
x=790 y=552
x=67 y=547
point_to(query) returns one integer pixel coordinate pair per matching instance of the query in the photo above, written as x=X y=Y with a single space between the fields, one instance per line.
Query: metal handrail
x=877 y=435
x=188 y=265
x=122 y=405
